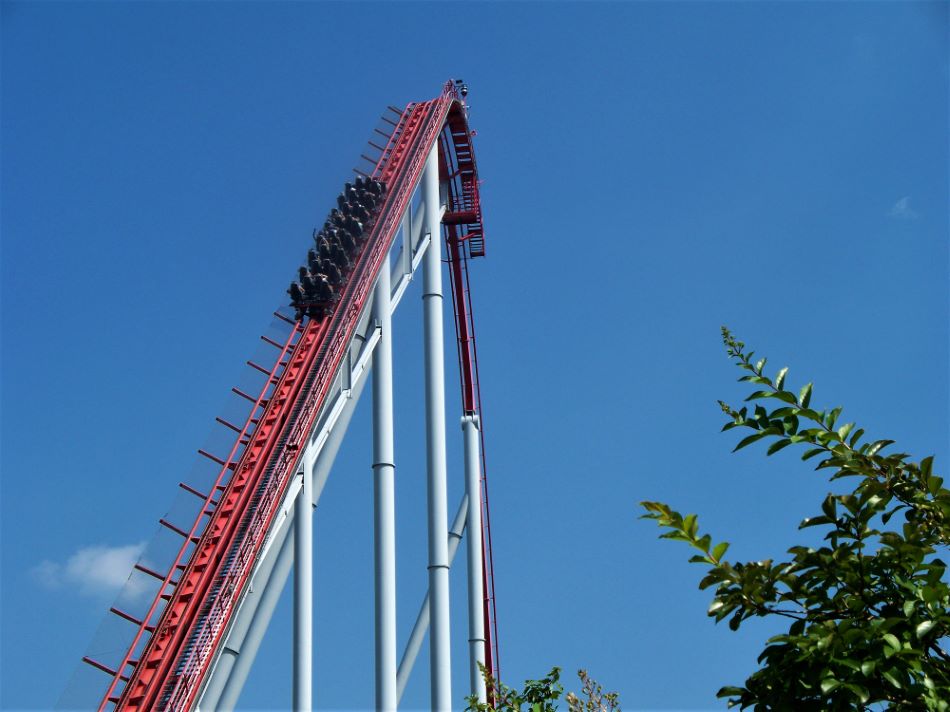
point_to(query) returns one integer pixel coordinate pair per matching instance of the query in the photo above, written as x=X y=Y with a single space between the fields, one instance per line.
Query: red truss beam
x=177 y=647
x=463 y=227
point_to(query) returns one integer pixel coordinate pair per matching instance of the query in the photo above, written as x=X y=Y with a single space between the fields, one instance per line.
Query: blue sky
x=651 y=171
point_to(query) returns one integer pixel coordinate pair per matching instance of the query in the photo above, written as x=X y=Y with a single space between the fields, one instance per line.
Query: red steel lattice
x=178 y=639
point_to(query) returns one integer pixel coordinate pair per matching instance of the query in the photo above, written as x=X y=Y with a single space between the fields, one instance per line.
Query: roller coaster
x=192 y=614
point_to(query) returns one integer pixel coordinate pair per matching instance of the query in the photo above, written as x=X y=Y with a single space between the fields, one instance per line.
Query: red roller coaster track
x=170 y=654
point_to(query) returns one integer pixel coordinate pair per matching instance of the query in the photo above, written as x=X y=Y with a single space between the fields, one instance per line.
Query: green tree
x=542 y=695
x=868 y=611
x=594 y=698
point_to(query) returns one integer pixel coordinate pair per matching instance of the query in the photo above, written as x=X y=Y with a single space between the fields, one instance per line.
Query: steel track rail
x=465 y=239
x=175 y=658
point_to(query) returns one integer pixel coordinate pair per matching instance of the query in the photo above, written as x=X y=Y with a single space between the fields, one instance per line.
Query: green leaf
x=720 y=550
x=867 y=667
x=891 y=678
x=811 y=453
x=886 y=517
x=892 y=641
x=832 y=417
x=730 y=691
x=714 y=576
x=878 y=445
x=844 y=430
x=785 y=412
x=784 y=396
x=780 y=378
x=675 y=536
x=924 y=628
x=749 y=440
x=860 y=692
x=790 y=426
x=804 y=396
x=778 y=445
x=828 y=684
x=857 y=436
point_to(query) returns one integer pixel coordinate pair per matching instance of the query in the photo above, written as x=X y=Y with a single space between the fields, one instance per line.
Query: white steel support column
x=439 y=639
x=384 y=506
x=303 y=591
x=414 y=644
x=476 y=622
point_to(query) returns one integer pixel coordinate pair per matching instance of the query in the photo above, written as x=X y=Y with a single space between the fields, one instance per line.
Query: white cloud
x=92 y=570
x=902 y=210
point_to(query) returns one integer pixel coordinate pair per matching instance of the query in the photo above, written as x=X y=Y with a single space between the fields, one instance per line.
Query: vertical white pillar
x=384 y=506
x=414 y=644
x=476 y=622
x=303 y=591
x=439 y=639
